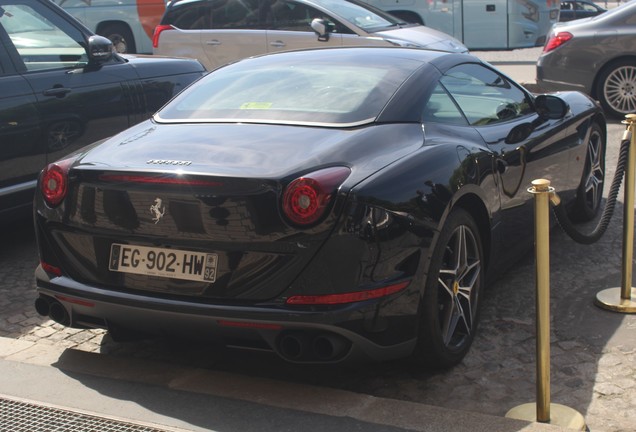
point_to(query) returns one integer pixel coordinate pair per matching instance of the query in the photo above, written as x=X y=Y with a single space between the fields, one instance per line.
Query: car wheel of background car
x=121 y=36
x=449 y=310
x=590 y=192
x=63 y=133
x=616 y=88
x=409 y=17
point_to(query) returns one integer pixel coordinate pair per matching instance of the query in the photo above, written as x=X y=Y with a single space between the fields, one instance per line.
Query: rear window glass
x=189 y=16
x=214 y=14
x=332 y=90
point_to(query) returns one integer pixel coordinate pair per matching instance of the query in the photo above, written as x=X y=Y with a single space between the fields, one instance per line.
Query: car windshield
x=295 y=88
x=364 y=16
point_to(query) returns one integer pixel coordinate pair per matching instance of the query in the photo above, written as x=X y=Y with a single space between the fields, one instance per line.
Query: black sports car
x=322 y=204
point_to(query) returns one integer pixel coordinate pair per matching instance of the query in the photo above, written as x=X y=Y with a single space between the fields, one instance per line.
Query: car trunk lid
x=201 y=220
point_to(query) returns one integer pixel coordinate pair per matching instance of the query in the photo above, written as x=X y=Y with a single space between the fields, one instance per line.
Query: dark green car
x=62 y=88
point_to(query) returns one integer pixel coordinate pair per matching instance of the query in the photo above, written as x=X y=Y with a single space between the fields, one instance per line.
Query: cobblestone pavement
x=593 y=351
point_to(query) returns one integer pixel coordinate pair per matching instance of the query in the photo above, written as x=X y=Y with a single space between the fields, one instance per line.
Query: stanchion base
x=611 y=299
x=560 y=415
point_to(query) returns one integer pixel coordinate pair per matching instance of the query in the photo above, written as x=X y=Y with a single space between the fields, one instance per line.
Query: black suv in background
x=62 y=87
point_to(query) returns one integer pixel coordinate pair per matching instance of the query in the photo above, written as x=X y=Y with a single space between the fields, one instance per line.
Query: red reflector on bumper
x=352 y=297
x=56 y=271
x=74 y=301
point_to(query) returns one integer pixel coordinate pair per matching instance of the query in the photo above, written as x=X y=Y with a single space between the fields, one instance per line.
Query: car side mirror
x=550 y=107
x=100 y=49
x=320 y=27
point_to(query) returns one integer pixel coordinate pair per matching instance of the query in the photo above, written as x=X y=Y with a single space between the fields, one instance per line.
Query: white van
x=128 y=23
x=493 y=24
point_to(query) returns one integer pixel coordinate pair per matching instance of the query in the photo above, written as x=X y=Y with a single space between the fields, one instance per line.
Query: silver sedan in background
x=594 y=55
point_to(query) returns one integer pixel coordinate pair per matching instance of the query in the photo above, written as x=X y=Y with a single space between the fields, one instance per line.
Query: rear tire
x=589 y=194
x=408 y=17
x=449 y=312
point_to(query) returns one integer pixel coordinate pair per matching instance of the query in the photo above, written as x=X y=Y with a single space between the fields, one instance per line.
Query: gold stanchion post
x=543 y=411
x=621 y=299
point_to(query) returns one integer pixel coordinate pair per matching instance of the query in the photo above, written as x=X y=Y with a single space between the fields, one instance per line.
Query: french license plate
x=170 y=263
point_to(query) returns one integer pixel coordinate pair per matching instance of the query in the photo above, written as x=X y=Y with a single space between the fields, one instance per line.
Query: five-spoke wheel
x=449 y=311
x=590 y=191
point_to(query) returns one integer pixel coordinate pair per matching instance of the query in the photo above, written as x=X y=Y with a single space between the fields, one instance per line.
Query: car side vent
x=136 y=101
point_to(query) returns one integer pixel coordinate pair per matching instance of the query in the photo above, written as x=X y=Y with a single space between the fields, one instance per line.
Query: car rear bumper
x=334 y=334
x=552 y=76
x=549 y=85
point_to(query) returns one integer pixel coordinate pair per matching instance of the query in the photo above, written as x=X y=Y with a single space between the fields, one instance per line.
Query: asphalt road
x=593 y=351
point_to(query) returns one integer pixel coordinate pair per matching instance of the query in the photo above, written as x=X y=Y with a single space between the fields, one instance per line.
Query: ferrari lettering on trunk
x=162 y=262
x=168 y=162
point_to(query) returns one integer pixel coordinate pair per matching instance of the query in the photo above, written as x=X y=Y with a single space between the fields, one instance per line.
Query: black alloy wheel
x=450 y=305
x=63 y=133
x=590 y=191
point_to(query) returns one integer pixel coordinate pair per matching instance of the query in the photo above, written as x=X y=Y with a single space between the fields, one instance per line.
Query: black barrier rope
x=567 y=225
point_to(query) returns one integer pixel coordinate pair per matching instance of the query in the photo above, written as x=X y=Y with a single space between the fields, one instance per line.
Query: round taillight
x=307 y=198
x=54 y=182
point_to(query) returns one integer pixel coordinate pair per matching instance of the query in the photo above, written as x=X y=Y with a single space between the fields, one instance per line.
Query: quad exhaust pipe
x=295 y=346
x=328 y=346
x=47 y=306
x=302 y=347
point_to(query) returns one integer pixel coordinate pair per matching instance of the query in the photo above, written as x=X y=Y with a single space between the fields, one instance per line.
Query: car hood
x=150 y=66
x=252 y=150
x=423 y=37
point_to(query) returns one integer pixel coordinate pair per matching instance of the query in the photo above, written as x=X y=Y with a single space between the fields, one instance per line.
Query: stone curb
x=290 y=396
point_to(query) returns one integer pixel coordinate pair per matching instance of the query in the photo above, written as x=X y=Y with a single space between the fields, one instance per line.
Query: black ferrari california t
x=324 y=204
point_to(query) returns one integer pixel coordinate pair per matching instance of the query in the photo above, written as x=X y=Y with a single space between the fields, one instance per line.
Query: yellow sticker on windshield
x=256 y=105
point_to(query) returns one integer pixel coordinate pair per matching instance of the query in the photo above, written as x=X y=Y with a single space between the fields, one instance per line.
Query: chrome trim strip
x=158 y=119
x=18 y=188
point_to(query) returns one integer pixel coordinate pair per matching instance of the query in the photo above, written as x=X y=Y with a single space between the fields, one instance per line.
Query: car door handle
x=277 y=44
x=59 y=92
x=213 y=42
